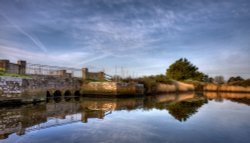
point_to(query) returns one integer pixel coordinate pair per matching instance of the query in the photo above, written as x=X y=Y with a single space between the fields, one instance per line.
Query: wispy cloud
x=37 y=42
x=144 y=35
x=68 y=59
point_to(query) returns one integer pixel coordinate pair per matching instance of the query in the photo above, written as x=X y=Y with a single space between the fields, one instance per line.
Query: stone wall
x=104 y=88
x=35 y=88
x=112 y=88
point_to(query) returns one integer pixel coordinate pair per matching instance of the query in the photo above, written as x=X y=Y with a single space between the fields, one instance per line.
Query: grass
x=3 y=73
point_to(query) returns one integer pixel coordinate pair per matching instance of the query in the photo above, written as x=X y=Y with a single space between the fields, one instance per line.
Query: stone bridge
x=37 y=88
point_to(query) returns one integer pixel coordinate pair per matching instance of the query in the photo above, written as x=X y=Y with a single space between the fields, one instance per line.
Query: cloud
x=37 y=42
x=67 y=59
x=142 y=35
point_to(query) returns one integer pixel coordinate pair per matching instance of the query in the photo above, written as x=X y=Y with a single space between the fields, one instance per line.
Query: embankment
x=112 y=89
x=175 y=87
x=226 y=88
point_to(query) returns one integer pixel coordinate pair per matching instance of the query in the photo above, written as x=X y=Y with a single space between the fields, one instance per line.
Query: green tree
x=219 y=79
x=233 y=79
x=182 y=69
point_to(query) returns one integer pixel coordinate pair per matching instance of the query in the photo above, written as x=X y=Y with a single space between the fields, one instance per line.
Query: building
x=61 y=73
x=17 y=68
x=86 y=75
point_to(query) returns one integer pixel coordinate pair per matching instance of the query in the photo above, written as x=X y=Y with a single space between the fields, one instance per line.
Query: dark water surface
x=169 y=118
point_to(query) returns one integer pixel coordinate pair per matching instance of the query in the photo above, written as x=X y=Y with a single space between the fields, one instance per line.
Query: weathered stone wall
x=35 y=88
x=108 y=88
x=112 y=88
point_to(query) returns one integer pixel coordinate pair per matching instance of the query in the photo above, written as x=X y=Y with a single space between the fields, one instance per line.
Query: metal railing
x=38 y=69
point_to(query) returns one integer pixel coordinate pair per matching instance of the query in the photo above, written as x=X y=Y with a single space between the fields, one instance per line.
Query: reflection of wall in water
x=99 y=108
x=61 y=109
x=88 y=114
x=235 y=97
x=17 y=119
x=111 y=104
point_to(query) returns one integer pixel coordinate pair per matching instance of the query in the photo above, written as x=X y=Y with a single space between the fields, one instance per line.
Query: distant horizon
x=140 y=37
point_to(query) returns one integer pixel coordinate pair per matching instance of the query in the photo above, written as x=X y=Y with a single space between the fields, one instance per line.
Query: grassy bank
x=3 y=73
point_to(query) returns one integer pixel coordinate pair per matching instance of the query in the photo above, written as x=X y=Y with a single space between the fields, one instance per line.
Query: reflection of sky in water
x=214 y=122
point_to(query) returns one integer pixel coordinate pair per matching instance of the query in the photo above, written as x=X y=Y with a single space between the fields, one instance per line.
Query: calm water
x=163 y=118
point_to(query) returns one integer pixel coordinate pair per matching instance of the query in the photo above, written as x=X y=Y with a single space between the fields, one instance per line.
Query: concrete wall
x=35 y=88
x=106 y=88
x=112 y=88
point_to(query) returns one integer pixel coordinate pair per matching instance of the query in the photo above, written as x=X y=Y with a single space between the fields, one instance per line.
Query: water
x=162 y=118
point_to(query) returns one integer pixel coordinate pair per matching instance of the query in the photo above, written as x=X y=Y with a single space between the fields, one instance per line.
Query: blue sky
x=142 y=36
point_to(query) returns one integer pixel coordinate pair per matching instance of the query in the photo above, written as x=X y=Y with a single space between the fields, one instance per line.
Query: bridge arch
x=67 y=93
x=48 y=94
x=77 y=93
x=57 y=93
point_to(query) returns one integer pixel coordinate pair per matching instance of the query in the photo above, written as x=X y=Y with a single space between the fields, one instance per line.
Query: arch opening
x=67 y=93
x=77 y=93
x=57 y=93
x=48 y=95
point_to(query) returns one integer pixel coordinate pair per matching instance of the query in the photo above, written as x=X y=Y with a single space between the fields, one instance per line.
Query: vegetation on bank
x=243 y=83
x=150 y=82
x=4 y=73
x=184 y=71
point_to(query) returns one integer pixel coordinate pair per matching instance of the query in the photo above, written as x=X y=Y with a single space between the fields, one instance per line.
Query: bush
x=182 y=69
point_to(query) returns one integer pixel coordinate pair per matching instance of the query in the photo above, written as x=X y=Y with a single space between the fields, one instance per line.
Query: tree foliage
x=219 y=79
x=233 y=79
x=182 y=69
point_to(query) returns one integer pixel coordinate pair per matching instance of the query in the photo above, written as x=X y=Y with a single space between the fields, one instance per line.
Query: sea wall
x=226 y=88
x=34 y=88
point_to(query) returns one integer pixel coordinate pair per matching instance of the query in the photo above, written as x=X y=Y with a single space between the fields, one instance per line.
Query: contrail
x=95 y=58
x=35 y=41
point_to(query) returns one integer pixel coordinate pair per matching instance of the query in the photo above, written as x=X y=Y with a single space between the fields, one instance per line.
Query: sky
x=135 y=37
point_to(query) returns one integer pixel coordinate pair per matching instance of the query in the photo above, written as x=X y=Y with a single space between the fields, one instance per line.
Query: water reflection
x=16 y=120
x=243 y=98
x=180 y=106
x=60 y=112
